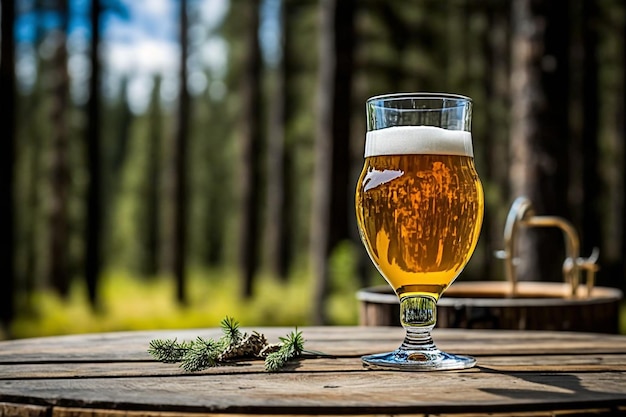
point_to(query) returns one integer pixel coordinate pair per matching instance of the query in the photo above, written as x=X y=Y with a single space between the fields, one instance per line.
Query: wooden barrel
x=487 y=305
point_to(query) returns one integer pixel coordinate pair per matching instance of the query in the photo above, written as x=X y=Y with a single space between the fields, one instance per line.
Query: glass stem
x=418 y=315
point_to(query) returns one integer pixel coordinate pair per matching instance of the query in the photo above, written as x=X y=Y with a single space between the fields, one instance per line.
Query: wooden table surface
x=518 y=373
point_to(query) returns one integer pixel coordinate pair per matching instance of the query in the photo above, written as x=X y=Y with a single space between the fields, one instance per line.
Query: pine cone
x=269 y=349
x=248 y=347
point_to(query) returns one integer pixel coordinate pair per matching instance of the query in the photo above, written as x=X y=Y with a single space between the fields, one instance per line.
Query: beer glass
x=419 y=208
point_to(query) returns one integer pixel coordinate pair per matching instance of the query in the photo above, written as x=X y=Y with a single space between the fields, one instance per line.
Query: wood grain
x=490 y=305
x=518 y=372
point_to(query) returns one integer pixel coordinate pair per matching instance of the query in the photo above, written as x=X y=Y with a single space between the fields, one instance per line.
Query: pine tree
x=330 y=207
x=7 y=158
x=93 y=226
x=251 y=147
x=539 y=93
x=57 y=266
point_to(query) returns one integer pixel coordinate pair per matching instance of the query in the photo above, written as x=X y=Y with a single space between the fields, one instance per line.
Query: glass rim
x=418 y=96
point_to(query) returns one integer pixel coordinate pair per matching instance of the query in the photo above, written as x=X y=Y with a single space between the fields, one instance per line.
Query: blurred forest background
x=211 y=171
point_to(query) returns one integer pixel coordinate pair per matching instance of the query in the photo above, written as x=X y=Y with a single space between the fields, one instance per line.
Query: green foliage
x=343 y=280
x=230 y=327
x=168 y=350
x=131 y=303
x=204 y=353
x=427 y=46
x=292 y=346
x=198 y=354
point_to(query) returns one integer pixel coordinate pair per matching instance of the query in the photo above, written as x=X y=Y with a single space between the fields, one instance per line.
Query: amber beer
x=419 y=206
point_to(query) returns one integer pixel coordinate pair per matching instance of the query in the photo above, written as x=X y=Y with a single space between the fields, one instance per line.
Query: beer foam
x=399 y=140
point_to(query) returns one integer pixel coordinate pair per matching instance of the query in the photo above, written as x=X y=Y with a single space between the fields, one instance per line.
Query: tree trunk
x=613 y=265
x=217 y=207
x=497 y=162
x=591 y=233
x=279 y=208
x=622 y=133
x=32 y=256
x=7 y=176
x=37 y=137
x=121 y=140
x=539 y=125
x=330 y=213
x=456 y=57
x=177 y=195
x=152 y=184
x=250 y=151
x=400 y=38
x=93 y=226
x=57 y=273
x=118 y=119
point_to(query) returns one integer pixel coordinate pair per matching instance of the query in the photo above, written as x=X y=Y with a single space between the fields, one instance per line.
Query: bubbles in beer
x=402 y=140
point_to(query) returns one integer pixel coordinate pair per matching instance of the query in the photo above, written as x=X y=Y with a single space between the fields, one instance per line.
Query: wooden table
x=518 y=373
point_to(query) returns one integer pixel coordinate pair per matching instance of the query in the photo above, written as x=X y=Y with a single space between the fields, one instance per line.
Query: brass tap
x=522 y=214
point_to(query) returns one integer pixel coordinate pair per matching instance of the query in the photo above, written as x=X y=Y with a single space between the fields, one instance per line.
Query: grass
x=129 y=303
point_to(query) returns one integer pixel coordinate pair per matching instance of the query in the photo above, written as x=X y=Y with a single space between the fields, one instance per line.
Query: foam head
x=402 y=140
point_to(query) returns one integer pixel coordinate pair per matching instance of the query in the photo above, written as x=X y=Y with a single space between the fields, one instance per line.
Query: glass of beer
x=419 y=208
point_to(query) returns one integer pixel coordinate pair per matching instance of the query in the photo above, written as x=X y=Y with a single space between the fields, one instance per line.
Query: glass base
x=418 y=360
x=418 y=352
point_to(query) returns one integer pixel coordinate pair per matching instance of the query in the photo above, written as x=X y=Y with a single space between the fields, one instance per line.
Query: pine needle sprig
x=202 y=355
x=168 y=350
x=230 y=329
x=295 y=341
x=292 y=346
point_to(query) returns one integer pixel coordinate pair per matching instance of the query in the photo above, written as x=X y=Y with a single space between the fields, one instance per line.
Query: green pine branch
x=168 y=350
x=202 y=353
x=230 y=328
x=292 y=346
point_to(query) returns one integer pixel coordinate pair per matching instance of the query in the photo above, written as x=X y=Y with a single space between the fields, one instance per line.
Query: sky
x=140 y=40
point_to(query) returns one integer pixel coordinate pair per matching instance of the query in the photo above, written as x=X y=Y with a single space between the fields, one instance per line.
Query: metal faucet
x=522 y=214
